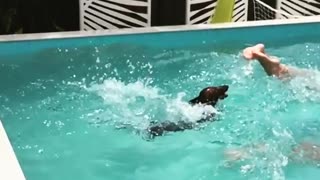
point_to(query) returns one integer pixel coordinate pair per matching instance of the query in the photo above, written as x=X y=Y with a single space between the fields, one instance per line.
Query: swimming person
x=271 y=64
x=304 y=151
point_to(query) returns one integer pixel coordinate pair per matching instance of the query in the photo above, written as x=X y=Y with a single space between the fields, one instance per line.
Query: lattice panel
x=240 y=11
x=114 y=14
x=295 y=8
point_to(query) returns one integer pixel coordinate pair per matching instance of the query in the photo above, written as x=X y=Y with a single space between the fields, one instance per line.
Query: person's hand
x=254 y=52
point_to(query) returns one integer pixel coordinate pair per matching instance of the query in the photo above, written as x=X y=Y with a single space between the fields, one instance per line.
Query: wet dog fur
x=207 y=96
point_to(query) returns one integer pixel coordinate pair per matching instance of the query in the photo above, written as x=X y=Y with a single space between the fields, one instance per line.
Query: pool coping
x=9 y=164
x=158 y=29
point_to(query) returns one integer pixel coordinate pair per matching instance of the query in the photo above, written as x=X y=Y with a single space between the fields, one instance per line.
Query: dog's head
x=211 y=95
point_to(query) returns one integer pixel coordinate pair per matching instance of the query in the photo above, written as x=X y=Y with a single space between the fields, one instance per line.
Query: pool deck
x=9 y=165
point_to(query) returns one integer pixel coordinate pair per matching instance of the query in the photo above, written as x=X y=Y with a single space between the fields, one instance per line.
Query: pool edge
x=9 y=164
x=157 y=29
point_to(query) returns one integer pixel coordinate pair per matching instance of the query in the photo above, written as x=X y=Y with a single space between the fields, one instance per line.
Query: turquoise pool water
x=79 y=111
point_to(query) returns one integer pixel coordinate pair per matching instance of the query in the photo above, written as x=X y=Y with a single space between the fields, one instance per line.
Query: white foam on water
x=114 y=91
x=137 y=104
x=306 y=86
x=178 y=109
x=248 y=69
x=126 y=103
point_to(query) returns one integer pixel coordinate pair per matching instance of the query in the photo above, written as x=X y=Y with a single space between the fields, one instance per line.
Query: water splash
x=137 y=104
x=178 y=109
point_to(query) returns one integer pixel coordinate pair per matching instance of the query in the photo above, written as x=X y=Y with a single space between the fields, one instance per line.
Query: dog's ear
x=194 y=101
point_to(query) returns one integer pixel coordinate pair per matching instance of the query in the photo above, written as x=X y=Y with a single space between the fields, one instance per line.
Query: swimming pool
x=77 y=107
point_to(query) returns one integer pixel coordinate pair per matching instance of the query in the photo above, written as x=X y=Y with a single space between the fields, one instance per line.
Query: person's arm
x=271 y=65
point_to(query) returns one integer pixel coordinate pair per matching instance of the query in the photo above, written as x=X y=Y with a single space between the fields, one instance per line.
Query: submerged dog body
x=208 y=96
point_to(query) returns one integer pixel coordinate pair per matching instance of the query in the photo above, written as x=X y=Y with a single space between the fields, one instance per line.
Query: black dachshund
x=208 y=96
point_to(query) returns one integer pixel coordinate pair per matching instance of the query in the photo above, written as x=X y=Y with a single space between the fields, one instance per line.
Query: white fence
x=114 y=14
x=295 y=8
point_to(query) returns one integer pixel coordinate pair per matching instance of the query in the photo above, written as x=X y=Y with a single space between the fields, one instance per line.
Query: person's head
x=211 y=95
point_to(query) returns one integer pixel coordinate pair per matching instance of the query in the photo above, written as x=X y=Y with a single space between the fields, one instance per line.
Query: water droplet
x=96 y=49
x=40 y=151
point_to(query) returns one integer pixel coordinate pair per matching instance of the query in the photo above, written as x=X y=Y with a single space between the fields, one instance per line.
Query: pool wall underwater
x=271 y=33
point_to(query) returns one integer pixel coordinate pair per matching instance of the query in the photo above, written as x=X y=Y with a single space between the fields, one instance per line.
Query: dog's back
x=208 y=96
